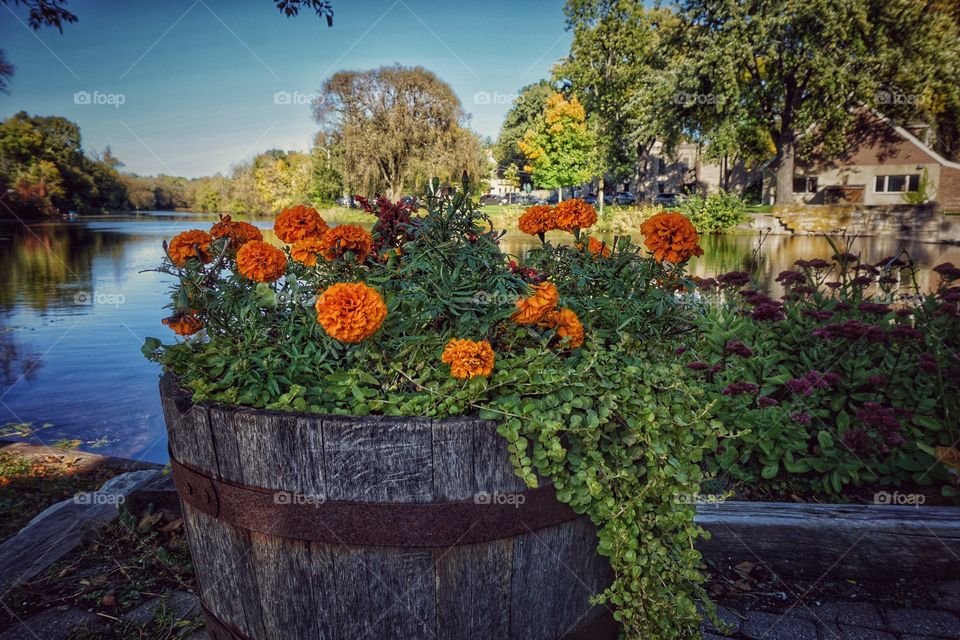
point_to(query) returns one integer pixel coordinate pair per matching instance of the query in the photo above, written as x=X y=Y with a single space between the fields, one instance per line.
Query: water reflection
x=75 y=308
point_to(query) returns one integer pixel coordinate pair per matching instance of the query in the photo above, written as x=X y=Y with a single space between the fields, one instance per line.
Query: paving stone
x=859 y=614
x=52 y=624
x=730 y=617
x=829 y=631
x=949 y=602
x=708 y=636
x=181 y=602
x=950 y=587
x=859 y=633
x=819 y=613
x=770 y=626
x=924 y=623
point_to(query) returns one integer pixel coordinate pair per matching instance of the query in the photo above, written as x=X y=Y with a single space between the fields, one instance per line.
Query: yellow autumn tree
x=559 y=147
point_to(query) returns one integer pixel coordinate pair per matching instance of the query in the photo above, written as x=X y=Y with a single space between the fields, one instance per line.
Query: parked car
x=553 y=199
x=591 y=198
x=667 y=199
x=529 y=200
x=624 y=198
x=514 y=198
x=490 y=199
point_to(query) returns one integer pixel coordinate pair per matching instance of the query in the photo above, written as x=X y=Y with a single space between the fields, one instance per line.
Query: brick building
x=883 y=163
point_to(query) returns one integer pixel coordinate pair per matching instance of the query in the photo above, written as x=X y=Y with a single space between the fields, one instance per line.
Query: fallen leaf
x=172 y=526
x=949 y=456
x=743 y=585
x=148 y=520
x=109 y=600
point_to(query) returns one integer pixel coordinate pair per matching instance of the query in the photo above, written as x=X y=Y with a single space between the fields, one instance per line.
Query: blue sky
x=189 y=87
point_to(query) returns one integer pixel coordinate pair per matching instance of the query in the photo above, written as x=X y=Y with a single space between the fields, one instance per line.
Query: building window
x=805 y=185
x=898 y=184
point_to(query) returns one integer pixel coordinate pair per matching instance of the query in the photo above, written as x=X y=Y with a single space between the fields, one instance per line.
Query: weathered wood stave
x=525 y=587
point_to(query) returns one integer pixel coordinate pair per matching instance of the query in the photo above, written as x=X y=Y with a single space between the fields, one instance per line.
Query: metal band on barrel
x=378 y=524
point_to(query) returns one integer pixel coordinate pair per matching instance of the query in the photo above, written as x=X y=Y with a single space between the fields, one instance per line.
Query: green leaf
x=825 y=440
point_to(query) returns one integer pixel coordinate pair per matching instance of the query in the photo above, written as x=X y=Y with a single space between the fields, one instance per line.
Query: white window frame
x=909 y=179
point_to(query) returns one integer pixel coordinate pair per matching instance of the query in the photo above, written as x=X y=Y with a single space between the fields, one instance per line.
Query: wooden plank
x=586 y=573
x=188 y=430
x=453 y=477
x=492 y=468
x=555 y=571
x=473 y=590
x=402 y=593
x=378 y=459
x=286 y=576
x=848 y=541
x=534 y=586
x=226 y=444
x=223 y=563
x=345 y=589
x=276 y=451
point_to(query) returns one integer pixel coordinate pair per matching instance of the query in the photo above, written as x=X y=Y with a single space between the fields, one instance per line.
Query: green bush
x=843 y=382
x=716 y=213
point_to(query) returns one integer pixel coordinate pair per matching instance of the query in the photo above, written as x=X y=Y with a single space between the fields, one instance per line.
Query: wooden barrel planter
x=339 y=527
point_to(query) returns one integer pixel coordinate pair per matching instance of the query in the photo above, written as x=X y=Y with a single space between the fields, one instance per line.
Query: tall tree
x=798 y=68
x=395 y=124
x=560 y=148
x=615 y=66
x=526 y=108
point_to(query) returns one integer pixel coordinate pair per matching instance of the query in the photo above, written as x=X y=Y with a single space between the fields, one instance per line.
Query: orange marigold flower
x=537 y=219
x=299 y=222
x=534 y=308
x=306 y=251
x=184 y=324
x=596 y=248
x=239 y=233
x=567 y=324
x=260 y=261
x=575 y=214
x=468 y=359
x=350 y=312
x=346 y=237
x=189 y=245
x=671 y=236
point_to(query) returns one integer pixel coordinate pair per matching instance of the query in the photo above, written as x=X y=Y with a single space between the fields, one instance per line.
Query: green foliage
x=778 y=67
x=621 y=433
x=615 y=66
x=560 y=148
x=615 y=424
x=521 y=117
x=923 y=192
x=845 y=384
x=397 y=127
x=716 y=213
x=42 y=162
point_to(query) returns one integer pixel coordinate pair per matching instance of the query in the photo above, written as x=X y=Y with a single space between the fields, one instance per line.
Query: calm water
x=74 y=310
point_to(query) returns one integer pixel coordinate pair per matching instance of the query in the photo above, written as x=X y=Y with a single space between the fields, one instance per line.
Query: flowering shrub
x=840 y=382
x=571 y=351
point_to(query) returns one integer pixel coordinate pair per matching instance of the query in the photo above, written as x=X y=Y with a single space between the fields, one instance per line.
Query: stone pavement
x=937 y=618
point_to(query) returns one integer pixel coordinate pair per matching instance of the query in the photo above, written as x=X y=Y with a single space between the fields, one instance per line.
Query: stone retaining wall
x=925 y=223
